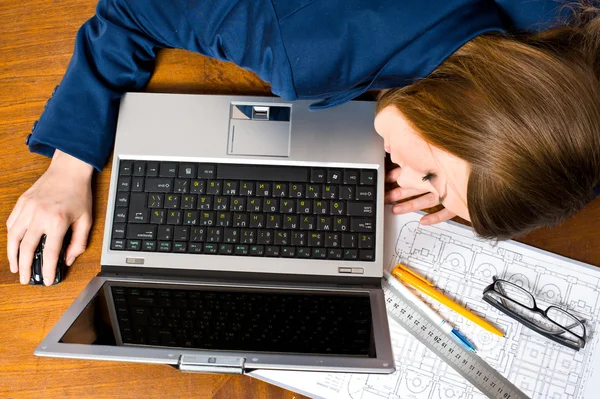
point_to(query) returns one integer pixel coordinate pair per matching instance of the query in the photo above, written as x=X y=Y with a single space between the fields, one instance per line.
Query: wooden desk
x=36 y=41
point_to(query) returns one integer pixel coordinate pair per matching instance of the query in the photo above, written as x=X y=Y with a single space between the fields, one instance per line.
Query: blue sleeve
x=532 y=15
x=115 y=52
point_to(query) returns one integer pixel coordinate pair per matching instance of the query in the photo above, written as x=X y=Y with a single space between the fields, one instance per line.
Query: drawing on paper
x=461 y=265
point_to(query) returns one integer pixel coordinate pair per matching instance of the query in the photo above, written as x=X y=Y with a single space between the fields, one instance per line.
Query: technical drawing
x=462 y=265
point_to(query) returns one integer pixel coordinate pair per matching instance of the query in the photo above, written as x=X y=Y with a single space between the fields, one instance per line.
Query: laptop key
x=334 y=253
x=226 y=249
x=168 y=169
x=181 y=233
x=263 y=172
x=361 y=209
x=366 y=241
x=124 y=184
x=350 y=254
x=197 y=233
x=152 y=169
x=118 y=230
x=155 y=200
x=125 y=168
x=197 y=186
x=141 y=231
x=157 y=216
x=367 y=254
x=187 y=170
x=172 y=201
x=317 y=176
x=303 y=252
x=214 y=234
x=174 y=217
x=319 y=253
x=346 y=193
x=182 y=186
x=165 y=232
x=149 y=246
x=366 y=193
x=362 y=225
x=241 y=249
x=159 y=184
x=179 y=246
x=334 y=176
x=213 y=187
x=195 y=247
x=122 y=199
x=256 y=250
x=117 y=244
x=272 y=250
x=164 y=246
x=134 y=245
x=351 y=177
x=206 y=171
x=367 y=177
x=138 y=213
x=210 y=248
x=288 y=252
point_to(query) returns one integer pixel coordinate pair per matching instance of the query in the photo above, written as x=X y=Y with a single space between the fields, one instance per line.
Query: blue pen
x=437 y=319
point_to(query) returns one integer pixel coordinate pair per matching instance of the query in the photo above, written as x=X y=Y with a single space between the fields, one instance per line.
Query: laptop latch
x=206 y=364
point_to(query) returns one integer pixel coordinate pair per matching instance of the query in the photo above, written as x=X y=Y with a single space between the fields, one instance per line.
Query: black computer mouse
x=61 y=267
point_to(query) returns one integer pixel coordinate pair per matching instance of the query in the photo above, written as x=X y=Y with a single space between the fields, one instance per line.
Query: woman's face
x=423 y=167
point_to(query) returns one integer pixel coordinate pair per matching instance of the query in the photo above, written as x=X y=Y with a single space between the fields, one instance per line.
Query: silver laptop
x=241 y=233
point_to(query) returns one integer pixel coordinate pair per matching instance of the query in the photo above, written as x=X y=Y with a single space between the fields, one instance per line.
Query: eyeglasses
x=553 y=323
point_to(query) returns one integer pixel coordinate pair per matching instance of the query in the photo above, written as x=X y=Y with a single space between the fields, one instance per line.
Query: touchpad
x=259 y=130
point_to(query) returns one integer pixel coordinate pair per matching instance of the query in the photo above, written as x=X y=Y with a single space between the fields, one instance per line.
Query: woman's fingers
x=52 y=248
x=14 y=237
x=81 y=229
x=17 y=228
x=15 y=213
x=400 y=193
x=29 y=243
x=424 y=201
x=437 y=217
x=393 y=175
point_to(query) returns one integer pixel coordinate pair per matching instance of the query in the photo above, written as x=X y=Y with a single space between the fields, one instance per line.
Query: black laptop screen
x=210 y=318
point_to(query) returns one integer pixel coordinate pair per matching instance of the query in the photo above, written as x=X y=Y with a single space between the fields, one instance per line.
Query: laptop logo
x=134 y=261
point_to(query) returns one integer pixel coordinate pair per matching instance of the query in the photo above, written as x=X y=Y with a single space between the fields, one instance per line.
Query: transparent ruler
x=474 y=369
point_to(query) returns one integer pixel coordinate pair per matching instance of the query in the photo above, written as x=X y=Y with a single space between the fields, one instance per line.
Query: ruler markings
x=474 y=369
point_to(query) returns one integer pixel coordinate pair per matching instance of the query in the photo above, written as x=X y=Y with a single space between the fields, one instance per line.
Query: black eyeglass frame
x=544 y=313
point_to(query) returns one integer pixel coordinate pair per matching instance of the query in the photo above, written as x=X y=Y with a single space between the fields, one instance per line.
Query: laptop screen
x=227 y=319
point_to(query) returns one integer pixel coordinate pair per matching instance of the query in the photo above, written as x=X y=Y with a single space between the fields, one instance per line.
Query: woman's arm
x=114 y=53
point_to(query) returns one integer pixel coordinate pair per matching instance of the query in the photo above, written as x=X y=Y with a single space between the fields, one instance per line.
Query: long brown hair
x=525 y=113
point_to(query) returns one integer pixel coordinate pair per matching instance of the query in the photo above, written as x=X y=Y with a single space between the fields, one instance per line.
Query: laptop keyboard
x=245 y=210
x=258 y=321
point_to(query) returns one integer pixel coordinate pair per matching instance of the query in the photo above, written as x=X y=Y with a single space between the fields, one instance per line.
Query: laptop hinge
x=207 y=364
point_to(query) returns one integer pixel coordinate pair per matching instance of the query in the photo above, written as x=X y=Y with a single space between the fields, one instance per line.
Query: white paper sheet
x=462 y=265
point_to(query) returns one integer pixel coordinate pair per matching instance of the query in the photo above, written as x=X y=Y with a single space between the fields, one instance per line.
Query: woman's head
x=511 y=126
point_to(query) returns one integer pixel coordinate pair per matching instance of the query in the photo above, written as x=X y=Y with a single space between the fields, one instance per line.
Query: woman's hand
x=421 y=196
x=60 y=198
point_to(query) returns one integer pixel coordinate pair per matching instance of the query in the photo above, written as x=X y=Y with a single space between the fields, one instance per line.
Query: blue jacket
x=325 y=50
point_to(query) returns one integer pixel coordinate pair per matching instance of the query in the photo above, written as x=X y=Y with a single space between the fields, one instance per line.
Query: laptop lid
x=179 y=129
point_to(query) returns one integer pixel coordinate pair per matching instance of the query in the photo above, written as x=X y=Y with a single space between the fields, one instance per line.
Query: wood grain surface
x=36 y=41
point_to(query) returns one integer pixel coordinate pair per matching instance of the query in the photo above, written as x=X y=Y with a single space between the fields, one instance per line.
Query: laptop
x=241 y=233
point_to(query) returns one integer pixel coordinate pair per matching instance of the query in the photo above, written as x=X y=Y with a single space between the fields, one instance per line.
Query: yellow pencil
x=418 y=282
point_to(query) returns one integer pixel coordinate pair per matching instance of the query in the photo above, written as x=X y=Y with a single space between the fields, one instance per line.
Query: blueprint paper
x=461 y=265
